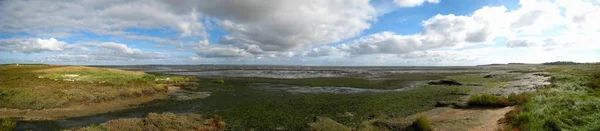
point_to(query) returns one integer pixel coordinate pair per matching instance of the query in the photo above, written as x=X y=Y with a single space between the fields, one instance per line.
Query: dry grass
x=161 y=122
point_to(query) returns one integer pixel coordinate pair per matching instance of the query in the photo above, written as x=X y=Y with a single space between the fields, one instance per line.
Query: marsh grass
x=267 y=110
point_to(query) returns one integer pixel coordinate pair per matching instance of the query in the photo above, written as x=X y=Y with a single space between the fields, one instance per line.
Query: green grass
x=47 y=86
x=570 y=103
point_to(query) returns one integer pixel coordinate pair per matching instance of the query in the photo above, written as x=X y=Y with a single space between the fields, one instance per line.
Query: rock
x=490 y=76
x=445 y=82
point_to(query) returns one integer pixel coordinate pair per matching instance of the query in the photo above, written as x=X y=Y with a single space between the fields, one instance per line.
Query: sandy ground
x=449 y=119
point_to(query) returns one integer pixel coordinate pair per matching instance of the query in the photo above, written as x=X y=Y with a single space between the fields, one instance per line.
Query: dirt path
x=493 y=117
x=450 y=119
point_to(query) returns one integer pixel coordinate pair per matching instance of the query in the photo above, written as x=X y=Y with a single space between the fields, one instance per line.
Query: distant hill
x=562 y=63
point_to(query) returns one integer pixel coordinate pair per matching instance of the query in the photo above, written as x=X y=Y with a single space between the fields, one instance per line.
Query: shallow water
x=328 y=89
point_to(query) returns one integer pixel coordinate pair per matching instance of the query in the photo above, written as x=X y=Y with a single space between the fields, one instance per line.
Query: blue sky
x=331 y=32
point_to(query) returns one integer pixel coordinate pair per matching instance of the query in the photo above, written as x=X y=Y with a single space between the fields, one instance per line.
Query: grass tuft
x=422 y=124
x=487 y=100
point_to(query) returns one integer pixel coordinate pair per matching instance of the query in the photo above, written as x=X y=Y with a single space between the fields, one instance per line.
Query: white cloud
x=413 y=3
x=439 y=31
x=284 y=25
x=102 y=17
x=31 y=45
x=103 y=51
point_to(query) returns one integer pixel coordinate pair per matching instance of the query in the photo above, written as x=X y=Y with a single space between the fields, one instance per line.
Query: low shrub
x=220 y=81
x=422 y=124
x=487 y=100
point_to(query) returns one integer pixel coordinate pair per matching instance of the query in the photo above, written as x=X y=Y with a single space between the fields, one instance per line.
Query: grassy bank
x=48 y=86
x=164 y=121
x=570 y=103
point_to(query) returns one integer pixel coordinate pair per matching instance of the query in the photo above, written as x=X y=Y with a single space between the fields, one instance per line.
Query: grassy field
x=570 y=103
x=49 y=86
x=248 y=108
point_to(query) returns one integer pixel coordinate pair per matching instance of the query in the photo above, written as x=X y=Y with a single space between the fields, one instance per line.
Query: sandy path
x=450 y=119
x=493 y=117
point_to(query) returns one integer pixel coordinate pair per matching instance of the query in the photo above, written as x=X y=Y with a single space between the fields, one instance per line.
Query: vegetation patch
x=488 y=100
x=164 y=121
x=7 y=125
x=422 y=124
x=569 y=103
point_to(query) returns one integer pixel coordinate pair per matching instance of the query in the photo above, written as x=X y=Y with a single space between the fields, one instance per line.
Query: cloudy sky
x=299 y=32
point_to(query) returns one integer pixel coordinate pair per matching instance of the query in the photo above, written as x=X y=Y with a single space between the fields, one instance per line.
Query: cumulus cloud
x=292 y=29
x=103 y=51
x=102 y=17
x=413 y=3
x=31 y=45
x=439 y=31
x=283 y=25
x=527 y=26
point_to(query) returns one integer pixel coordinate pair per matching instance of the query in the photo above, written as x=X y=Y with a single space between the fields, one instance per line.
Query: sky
x=299 y=32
